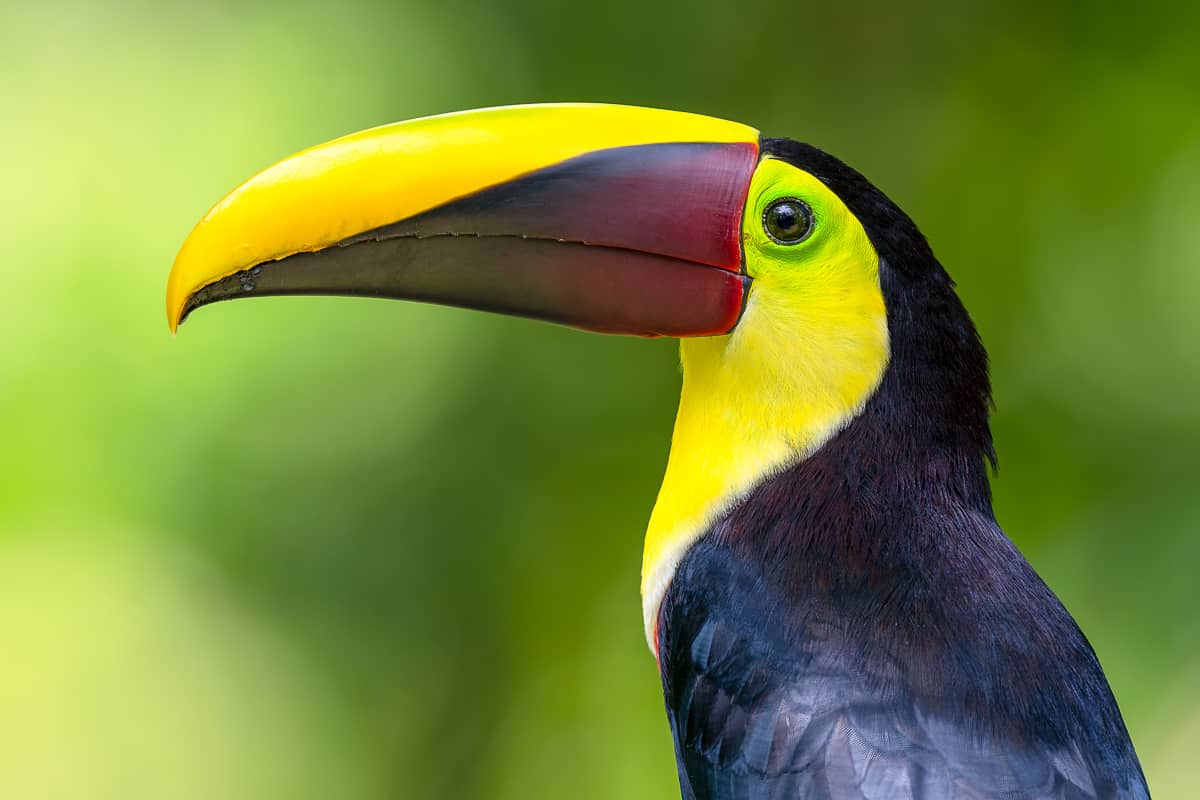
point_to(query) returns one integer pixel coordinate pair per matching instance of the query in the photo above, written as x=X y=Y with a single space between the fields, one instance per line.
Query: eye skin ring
x=788 y=221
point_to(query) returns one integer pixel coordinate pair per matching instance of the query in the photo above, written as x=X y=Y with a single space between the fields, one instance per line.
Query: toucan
x=832 y=607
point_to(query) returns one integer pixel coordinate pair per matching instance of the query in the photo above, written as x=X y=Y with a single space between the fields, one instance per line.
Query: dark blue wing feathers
x=756 y=718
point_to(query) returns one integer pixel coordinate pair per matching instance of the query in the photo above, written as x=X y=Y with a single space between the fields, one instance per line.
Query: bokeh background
x=321 y=548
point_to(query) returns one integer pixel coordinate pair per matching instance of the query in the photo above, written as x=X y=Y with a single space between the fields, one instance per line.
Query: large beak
x=611 y=218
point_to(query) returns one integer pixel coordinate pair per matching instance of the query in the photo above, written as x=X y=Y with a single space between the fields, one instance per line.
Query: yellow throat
x=810 y=349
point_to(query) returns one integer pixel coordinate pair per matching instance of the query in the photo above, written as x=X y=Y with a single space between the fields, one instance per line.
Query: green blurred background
x=321 y=548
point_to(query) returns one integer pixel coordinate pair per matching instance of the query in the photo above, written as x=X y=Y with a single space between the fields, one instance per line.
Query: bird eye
x=788 y=221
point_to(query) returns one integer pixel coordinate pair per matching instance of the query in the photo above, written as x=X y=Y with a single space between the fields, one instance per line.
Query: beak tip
x=174 y=311
x=179 y=290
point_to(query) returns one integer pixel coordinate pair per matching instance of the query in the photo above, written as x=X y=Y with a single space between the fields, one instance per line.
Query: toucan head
x=792 y=282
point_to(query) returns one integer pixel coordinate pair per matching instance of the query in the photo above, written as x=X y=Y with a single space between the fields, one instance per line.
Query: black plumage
x=859 y=626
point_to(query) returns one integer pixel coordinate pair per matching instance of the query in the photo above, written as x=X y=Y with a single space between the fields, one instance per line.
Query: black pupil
x=787 y=221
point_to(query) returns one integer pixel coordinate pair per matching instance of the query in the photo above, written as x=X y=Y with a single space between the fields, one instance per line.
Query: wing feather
x=755 y=722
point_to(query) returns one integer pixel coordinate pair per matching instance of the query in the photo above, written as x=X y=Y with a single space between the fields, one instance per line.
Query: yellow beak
x=611 y=218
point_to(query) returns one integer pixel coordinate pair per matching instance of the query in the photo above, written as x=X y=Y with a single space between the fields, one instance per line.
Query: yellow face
x=810 y=349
